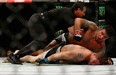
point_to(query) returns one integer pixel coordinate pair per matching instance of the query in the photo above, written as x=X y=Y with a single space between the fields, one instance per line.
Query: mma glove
x=42 y=61
x=78 y=35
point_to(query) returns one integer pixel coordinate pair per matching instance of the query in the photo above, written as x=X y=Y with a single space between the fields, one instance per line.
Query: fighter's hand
x=78 y=34
x=42 y=61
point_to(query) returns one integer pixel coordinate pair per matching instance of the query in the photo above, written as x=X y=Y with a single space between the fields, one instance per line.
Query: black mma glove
x=78 y=35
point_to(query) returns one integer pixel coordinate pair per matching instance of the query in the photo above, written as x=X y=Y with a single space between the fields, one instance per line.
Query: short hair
x=109 y=29
x=77 y=5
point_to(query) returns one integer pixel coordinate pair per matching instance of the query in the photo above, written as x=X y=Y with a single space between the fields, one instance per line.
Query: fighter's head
x=104 y=33
x=102 y=60
x=79 y=9
x=93 y=60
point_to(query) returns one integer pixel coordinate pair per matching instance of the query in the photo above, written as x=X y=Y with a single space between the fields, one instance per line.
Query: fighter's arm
x=104 y=59
x=102 y=52
x=81 y=26
x=81 y=23
x=62 y=56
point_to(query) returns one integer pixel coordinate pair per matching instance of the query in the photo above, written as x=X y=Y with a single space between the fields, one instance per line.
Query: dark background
x=14 y=33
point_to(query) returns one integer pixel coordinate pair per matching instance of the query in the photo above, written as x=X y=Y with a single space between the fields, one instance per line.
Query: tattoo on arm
x=79 y=56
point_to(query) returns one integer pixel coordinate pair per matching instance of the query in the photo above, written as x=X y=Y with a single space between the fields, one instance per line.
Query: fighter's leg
x=37 y=52
x=30 y=58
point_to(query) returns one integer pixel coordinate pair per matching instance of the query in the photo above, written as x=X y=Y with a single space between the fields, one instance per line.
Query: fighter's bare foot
x=5 y=60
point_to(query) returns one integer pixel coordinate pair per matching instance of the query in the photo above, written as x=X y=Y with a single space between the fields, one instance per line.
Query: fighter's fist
x=78 y=35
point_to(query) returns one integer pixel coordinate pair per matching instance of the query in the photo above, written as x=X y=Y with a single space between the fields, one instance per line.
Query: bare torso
x=76 y=52
x=88 y=41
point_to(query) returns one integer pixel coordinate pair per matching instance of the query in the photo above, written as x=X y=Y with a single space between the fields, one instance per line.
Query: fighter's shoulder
x=84 y=21
x=92 y=25
x=90 y=22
